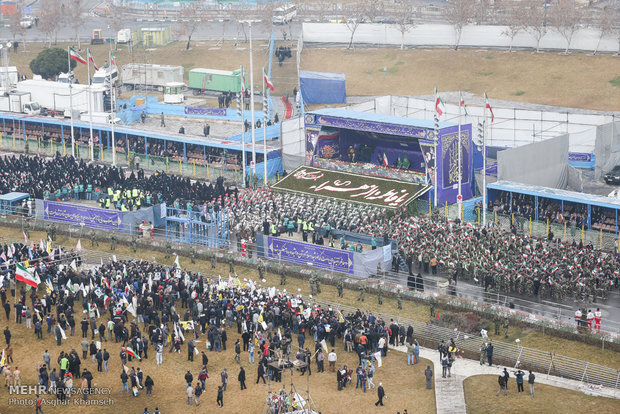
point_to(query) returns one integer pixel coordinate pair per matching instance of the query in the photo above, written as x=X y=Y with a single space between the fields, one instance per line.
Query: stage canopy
x=390 y=146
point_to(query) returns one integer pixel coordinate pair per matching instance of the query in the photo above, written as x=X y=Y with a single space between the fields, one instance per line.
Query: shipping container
x=216 y=80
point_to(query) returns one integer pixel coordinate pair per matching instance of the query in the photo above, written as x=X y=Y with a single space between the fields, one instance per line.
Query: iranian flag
x=112 y=59
x=23 y=275
x=439 y=105
x=385 y=160
x=267 y=80
x=132 y=353
x=243 y=83
x=91 y=59
x=462 y=103
x=488 y=106
x=76 y=56
x=106 y=301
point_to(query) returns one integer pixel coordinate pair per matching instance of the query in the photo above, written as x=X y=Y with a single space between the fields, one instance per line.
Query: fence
x=506 y=353
x=206 y=171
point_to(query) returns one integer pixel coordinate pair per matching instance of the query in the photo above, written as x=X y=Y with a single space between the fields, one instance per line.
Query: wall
x=443 y=35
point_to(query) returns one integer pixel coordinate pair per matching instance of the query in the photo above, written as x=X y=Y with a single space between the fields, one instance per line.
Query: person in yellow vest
x=124 y=207
x=117 y=196
x=310 y=226
x=107 y=203
x=110 y=192
x=273 y=229
x=135 y=193
x=304 y=226
x=299 y=224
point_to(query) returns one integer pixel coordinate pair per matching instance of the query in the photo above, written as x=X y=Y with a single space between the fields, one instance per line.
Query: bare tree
x=536 y=18
x=190 y=17
x=321 y=8
x=404 y=14
x=605 y=23
x=566 y=17
x=354 y=15
x=15 y=22
x=482 y=9
x=117 y=16
x=514 y=17
x=459 y=13
x=50 y=19
x=74 y=17
x=239 y=15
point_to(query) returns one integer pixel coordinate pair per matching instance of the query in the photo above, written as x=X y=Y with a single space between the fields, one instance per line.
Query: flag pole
x=113 y=110
x=265 y=101
x=252 y=104
x=91 y=144
x=484 y=165
x=243 y=160
x=460 y=195
x=70 y=101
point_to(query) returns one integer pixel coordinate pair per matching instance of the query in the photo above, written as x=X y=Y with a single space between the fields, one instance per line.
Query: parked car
x=26 y=22
x=613 y=176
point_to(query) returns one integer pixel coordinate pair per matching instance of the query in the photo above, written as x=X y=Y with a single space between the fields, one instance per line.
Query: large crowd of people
x=63 y=178
x=508 y=261
x=133 y=309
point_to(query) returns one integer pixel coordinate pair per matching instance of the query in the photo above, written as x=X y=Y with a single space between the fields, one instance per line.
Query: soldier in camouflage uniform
x=311 y=280
x=231 y=266
x=26 y=228
x=362 y=289
x=192 y=255
x=282 y=277
x=93 y=239
x=168 y=251
x=261 y=269
x=432 y=303
x=113 y=242
x=134 y=244
x=506 y=324
x=213 y=261
x=497 y=323
x=317 y=281
x=340 y=287
x=380 y=295
x=399 y=299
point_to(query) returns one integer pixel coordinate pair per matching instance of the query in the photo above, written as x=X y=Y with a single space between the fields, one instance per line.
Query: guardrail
x=506 y=353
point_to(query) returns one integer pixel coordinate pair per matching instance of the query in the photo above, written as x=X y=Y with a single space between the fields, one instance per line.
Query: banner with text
x=310 y=254
x=82 y=215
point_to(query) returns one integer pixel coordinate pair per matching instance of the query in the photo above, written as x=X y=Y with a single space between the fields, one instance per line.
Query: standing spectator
x=320 y=360
x=241 y=378
x=380 y=394
x=106 y=359
x=224 y=376
x=519 y=376
x=490 y=353
x=220 y=397
x=502 y=384
x=530 y=381
x=189 y=378
x=7 y=336
x=410 y=354
x=198 y=393
x=190 y=393
x=148 y=383
x=332 y=358
x=124 y=379
x=428 y=374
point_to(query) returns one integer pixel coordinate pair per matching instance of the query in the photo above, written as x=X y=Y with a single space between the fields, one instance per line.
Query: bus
x=284 y=14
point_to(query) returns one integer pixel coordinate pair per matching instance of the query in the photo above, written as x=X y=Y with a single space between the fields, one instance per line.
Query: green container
x=216 y=80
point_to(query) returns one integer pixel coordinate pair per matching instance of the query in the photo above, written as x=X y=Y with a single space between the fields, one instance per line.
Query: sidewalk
x=450 y=395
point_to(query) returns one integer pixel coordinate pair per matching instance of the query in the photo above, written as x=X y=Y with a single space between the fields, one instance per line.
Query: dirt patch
x=575 y=80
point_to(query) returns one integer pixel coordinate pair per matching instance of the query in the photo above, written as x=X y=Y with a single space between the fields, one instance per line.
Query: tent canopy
x=322 y=87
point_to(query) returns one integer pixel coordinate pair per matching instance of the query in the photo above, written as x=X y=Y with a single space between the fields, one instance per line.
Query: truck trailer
x=149 y=76
x=54 y=96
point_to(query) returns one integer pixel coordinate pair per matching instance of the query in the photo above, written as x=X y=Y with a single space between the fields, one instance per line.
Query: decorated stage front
x=395 y=147
x=388 y=193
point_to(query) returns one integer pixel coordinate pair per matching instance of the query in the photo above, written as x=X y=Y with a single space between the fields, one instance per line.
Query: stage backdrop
x=86 y=216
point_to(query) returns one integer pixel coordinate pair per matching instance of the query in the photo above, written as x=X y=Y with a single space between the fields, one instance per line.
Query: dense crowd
x=136 y=308
x=63 y=178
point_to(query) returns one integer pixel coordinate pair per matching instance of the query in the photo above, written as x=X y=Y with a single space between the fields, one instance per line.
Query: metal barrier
x=509 y=354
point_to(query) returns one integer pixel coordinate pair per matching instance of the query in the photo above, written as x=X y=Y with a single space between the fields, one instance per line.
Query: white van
x=103 y=76
x=284 y=14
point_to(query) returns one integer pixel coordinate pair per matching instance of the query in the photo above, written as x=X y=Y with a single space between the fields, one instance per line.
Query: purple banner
x=86 y=216
x=310 y=254
x=205 y=111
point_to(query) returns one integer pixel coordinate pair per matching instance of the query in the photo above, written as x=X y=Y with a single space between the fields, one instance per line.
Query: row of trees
x=533 y=16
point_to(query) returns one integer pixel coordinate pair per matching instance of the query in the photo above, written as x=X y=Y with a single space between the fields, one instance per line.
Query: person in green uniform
x=168 y=251
x=362 y=289
x=380 y=295
x=340 y=287
x=192 y=255
x=113 y=242
x=93 y=239
x=399 y=299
